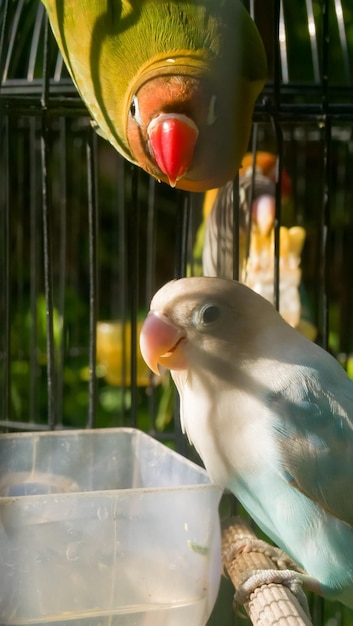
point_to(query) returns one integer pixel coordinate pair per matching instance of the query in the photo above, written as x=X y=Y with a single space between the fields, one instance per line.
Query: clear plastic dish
x=105 y=527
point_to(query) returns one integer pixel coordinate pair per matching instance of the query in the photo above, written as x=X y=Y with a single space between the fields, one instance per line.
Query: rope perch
x=269 y=603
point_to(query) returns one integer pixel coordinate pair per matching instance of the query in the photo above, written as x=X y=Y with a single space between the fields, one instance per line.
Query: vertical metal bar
x=313 y=41
x=122 y=237
x=47 y=236
x=18 y=226
x=13 y=36
x=93 y=274
x=4 y=235
x=298 y=178
x=221 y=215
x=33 y=53
x=150 y=282
x=33 y=295
x=58 y=67
x=183 y=223
x=62 y=262
x=282 y=46
x=250 y=196
x=5 y=344
x=185 y=230
x=183 y=220
x=343 y=40
x=277 y=54
x=3 y=31
x=236 y=228
x=325 y=238
x=325 y=214
x=279 y=139
x=5 y=269
x=278 y=212
x=190 y=235
x=325 y=41
x=151 y=239
x=134 y=289
x=346 y=200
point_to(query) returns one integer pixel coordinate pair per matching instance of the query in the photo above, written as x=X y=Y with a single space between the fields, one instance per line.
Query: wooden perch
x=268 y=604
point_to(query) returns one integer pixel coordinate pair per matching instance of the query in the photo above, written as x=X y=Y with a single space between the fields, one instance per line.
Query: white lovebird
x=269 y=412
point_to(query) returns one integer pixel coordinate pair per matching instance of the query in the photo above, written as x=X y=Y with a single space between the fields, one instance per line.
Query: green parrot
x=172 y=85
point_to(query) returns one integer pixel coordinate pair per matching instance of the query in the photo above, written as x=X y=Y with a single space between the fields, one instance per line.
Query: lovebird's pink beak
x=162 y=343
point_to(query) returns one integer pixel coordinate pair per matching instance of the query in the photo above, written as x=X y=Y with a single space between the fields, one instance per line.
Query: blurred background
x=86 y=239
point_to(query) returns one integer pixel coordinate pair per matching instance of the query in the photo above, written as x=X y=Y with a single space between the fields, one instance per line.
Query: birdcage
x=86 y=238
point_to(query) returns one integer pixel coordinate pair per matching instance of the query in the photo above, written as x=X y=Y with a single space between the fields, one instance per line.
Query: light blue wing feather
x=314 y=432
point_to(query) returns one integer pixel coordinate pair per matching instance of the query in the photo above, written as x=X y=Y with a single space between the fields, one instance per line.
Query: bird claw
x=288 y=572
x=259 y=578
x=280 y=559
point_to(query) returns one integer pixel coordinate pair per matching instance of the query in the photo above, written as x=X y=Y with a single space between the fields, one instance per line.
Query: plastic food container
x=105 y=527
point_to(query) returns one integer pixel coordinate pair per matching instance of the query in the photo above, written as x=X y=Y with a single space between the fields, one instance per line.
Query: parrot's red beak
x=160 y=342
x=172 y=139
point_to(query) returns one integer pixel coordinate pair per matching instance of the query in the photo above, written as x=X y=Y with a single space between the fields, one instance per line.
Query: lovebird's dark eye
x=210 y=314
x=207 y=316
x=134 y=110
x=133 y=107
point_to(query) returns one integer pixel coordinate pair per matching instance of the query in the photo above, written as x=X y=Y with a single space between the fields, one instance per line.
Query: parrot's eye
x=207 y=316
x=135 y=111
